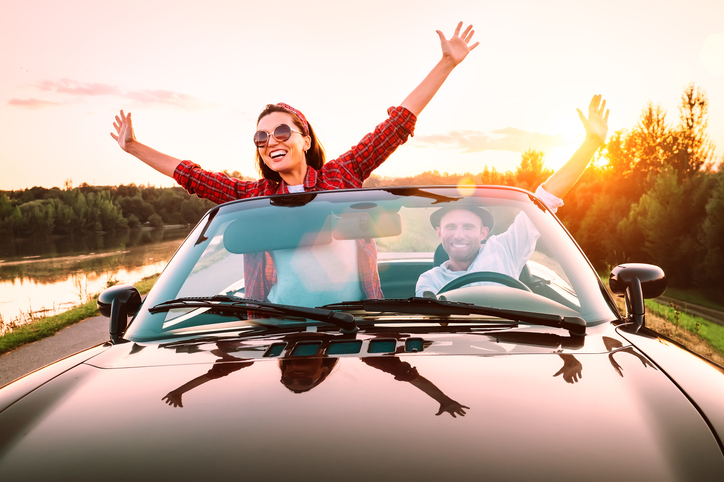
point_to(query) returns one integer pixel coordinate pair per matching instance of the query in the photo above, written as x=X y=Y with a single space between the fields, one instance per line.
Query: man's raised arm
x=596 y=126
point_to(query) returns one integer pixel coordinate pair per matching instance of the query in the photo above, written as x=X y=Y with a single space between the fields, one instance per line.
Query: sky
x=196 y=74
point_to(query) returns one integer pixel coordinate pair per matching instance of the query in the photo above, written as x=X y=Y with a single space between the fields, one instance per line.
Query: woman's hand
x=124 y=130
x=174 y=399
x=571 y=370
x=125 y=137
x=596 y=124
x=453 y=52
x=457 y=48
x=452 y=407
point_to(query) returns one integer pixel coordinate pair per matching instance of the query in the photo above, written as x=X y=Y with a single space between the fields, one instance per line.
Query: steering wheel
x=478 y=276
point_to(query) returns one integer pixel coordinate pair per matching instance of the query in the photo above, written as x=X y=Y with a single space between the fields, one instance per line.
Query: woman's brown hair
x=315 y=155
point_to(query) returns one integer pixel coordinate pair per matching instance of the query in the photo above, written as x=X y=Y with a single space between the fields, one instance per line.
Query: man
x=462 y=231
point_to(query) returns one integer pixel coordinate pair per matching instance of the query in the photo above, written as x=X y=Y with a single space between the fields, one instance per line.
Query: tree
x=135 y=206
x=664 y=226
x=531 y=171
x=692 y=148
x=652 y=141
x=712 y=266
x=14 y=222
x=596 y=232
x=155 y=221
x=6 y=207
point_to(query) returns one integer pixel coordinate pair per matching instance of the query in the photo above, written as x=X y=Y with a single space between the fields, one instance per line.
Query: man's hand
x=596 y=124
x=457 y=48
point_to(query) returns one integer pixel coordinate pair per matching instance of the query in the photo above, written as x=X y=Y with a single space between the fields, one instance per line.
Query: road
x=714 y=316
x=66 y=342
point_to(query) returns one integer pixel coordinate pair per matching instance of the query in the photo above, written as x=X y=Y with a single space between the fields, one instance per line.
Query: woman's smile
x=277 y=154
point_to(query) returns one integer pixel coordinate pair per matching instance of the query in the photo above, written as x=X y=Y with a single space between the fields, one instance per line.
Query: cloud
x=32 y=103
x=84 y=89
x=507 y=139
x=73 y=92
x=167 y=97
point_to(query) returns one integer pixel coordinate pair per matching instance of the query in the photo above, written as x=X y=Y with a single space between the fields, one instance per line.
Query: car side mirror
x=118 y=303
x=636 y=282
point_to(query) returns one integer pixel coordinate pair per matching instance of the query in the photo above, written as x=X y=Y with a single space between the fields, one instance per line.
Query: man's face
x=461 y=233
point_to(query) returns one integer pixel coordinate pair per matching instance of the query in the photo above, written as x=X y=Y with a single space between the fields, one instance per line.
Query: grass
x=683 y=295
x=48 y=326
x=697 y=334
x=691 y=296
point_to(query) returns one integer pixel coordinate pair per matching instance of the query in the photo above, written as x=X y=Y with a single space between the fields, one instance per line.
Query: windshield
x=317 y=249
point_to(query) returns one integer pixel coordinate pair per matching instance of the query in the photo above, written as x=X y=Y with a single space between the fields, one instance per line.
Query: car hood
x=529 y=414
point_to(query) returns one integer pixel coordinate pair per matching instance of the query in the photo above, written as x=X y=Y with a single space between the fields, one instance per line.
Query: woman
x=300 y=147
x=291 y=159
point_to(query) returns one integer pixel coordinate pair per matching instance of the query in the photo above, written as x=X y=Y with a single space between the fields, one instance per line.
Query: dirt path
x=66 y=342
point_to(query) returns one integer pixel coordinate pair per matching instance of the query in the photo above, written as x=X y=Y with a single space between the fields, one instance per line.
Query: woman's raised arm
x=126 y=139
x=454 y=51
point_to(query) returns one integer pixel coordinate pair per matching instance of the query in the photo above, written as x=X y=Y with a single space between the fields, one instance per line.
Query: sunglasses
x=282 y=132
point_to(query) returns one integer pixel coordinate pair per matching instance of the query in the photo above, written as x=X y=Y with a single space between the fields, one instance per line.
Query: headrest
x=256 y=231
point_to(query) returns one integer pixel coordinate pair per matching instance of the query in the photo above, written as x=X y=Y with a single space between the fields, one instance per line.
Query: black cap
x=485 y=215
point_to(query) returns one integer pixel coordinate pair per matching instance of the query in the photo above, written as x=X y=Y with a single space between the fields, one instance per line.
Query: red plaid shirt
x=348 y=171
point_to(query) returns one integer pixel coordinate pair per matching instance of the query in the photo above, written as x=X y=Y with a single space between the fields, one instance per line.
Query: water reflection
x=50 y=275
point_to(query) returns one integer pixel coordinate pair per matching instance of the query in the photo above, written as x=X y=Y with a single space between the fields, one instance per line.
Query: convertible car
x=298 y=337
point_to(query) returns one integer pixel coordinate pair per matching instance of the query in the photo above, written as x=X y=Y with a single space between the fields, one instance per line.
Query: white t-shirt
x=317 y=275
x=504 y=253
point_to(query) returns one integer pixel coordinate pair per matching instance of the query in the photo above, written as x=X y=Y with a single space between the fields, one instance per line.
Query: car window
x=346 y=246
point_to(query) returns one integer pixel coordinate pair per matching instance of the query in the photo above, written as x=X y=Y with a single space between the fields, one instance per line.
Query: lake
x=48 y=276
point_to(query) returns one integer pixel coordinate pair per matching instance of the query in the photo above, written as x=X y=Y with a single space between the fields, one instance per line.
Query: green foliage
x=531 y=171
x=711 y=266
x=692 y=149
x=704 y=329
x=38 y=212
x=155 y=220
x=145 y=285
x=694 y=297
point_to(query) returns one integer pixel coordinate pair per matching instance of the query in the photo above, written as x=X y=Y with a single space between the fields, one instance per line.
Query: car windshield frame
x=386 y=215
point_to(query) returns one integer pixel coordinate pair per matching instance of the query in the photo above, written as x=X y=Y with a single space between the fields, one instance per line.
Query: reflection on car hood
x=373 y=417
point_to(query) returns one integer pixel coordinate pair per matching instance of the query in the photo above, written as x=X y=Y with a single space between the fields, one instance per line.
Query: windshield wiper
x=232 y=304
x=432 y=306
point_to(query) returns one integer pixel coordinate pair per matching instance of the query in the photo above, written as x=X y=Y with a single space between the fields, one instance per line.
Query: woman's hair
x=315 y=154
